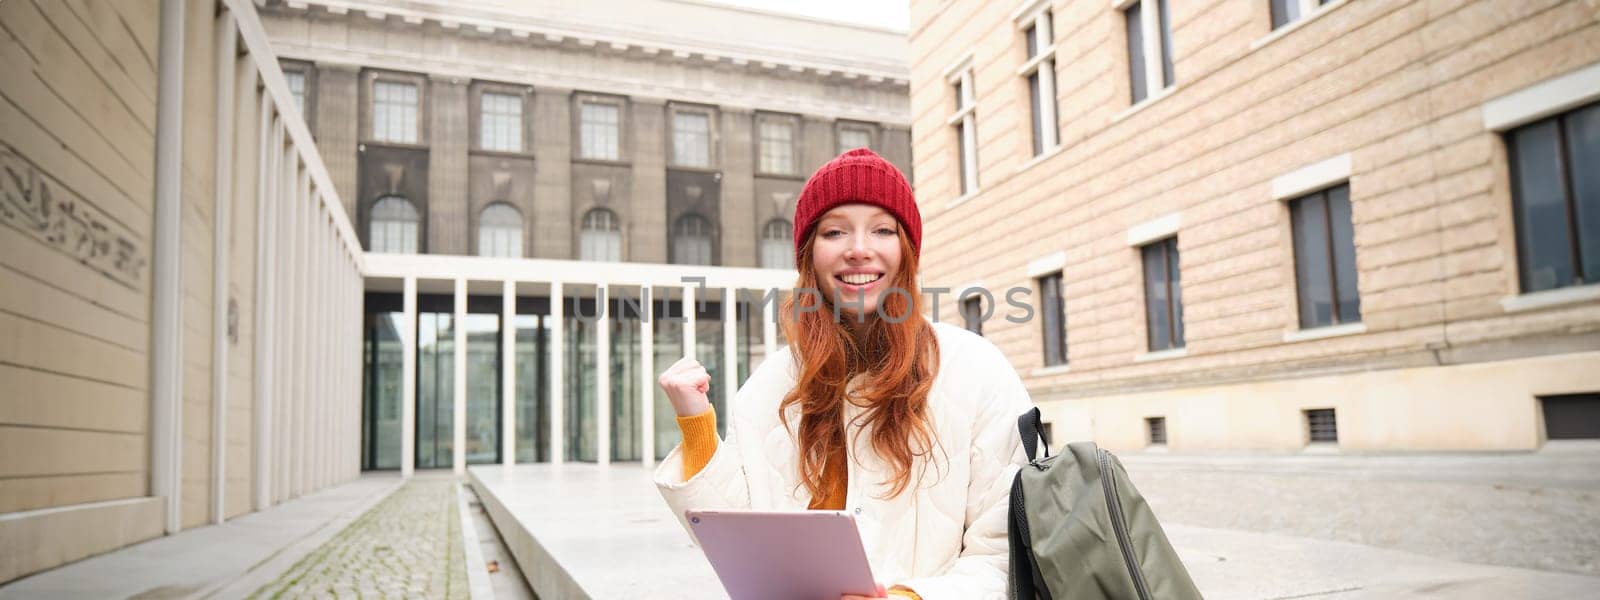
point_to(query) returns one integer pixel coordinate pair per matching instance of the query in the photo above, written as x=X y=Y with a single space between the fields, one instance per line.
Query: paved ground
x=575 y=523
x=1536 y=510
x=408 y=546
x=218 y=561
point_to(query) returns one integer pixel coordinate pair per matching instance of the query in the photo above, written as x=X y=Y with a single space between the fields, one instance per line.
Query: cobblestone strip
x=408 y=546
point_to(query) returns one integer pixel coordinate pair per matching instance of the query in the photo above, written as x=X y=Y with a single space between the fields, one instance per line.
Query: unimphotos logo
x=758 y=300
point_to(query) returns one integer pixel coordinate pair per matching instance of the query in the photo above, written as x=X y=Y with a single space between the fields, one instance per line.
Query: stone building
x=656 y=131
x=1273 y=224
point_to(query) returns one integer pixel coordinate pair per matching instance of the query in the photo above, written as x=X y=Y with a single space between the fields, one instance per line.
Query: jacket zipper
x=1119 y=526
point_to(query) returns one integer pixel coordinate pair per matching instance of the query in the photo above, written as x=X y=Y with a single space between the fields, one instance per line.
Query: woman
x=908 y=424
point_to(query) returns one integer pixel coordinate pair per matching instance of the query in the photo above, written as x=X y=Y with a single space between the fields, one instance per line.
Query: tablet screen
x=800 y=555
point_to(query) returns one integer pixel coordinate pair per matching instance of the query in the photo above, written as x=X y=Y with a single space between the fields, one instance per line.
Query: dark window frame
x=1570 y=200
x=1332 y=247
x=1053 y=319
x=1172 y=281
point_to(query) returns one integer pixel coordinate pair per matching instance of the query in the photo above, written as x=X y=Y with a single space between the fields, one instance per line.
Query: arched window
x=394 y=226
x=500 y=231
x=691 y=240
x=777 y=245
x=601 y=239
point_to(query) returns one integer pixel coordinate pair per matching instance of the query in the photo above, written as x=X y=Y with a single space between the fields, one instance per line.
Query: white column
x=459 y=423
x=508 y=374
x=602 y=375
x=264 y=327
x=227 y=39
x=730 y=350
x=558 y=374
x=166 y=362
x=302 y=316
x=769 y=329
x=284 y=338
x=688 y=321
x=408 y=385
x=647 y=381
x=323 y=309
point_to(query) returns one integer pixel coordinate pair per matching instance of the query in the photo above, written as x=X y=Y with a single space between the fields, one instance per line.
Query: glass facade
x=436 y=327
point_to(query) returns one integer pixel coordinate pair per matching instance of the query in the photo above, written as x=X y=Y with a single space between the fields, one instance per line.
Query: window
x=691 y=139
x=500 y=231
x=1054 y=311
x=1285 y=12
x=777 y=145
x=972 y=314
x=500 y=122
x=965 y=122
x=1149 y=39
x=394 y=226
x=600 y=130
x=297 y=88
x=852 y=137
x=691 y=240
x=601 y=239
x=1555 y=190
x=1040 y=72
x=1321 y=425
x=1163 y=299
x=1325 y=258
x=777 y=245
x=1157 y=428
x=394 y=112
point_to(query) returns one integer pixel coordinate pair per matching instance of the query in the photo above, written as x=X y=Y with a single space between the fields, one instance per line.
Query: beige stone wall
x=78 y=131
x=77 y=139
x=1399 y=86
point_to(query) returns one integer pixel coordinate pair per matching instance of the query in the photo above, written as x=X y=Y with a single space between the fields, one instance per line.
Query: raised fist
x=686 y=384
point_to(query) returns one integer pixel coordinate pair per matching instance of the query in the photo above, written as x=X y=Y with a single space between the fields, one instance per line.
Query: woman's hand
x=881 y=593
x=686 y=384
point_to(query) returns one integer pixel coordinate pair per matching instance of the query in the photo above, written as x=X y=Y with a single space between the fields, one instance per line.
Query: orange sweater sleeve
x=699 y=441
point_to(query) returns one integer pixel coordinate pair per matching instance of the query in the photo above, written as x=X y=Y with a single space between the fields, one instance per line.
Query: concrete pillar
x=227 y=53
x=553 y=222
x=508 y=372
x=688 y=320
x=647 y=381
x=408 y=373
x=730 y=348
x=264 y=326
x=166 y=323
x=558 y=375
x=459 y=423
x=447 y=140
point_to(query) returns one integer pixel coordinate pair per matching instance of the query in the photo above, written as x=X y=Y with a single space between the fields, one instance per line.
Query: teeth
x=859 y=278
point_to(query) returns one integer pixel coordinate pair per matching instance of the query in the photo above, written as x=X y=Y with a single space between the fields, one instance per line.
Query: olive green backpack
x=1079 y=530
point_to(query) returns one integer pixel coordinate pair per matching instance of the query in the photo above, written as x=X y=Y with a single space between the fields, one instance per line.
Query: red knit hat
x=862 y=176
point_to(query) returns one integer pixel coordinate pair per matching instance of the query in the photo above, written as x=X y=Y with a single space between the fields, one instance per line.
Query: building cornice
x=529 y=74
x=523 y=29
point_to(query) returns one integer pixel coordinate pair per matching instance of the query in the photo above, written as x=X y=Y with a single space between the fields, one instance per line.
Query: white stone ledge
x=1311 y=177
x=1051 y=370
x=1318 y=333
x=1161 y=355
x=1551 y=298
x=1291 y=27
x=1145 y=103
x=1543 y=99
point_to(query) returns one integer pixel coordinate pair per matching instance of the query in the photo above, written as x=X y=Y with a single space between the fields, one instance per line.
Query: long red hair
x=899 y=361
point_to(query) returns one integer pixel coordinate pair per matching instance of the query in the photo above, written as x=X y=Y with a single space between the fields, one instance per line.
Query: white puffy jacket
x=944 y=539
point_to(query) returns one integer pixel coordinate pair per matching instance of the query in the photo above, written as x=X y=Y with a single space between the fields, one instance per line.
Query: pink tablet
x=799 y=555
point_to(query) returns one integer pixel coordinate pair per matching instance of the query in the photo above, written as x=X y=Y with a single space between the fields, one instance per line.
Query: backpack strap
x=1031 y=427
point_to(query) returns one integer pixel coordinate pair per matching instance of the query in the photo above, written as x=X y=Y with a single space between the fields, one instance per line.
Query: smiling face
x=855 y=251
